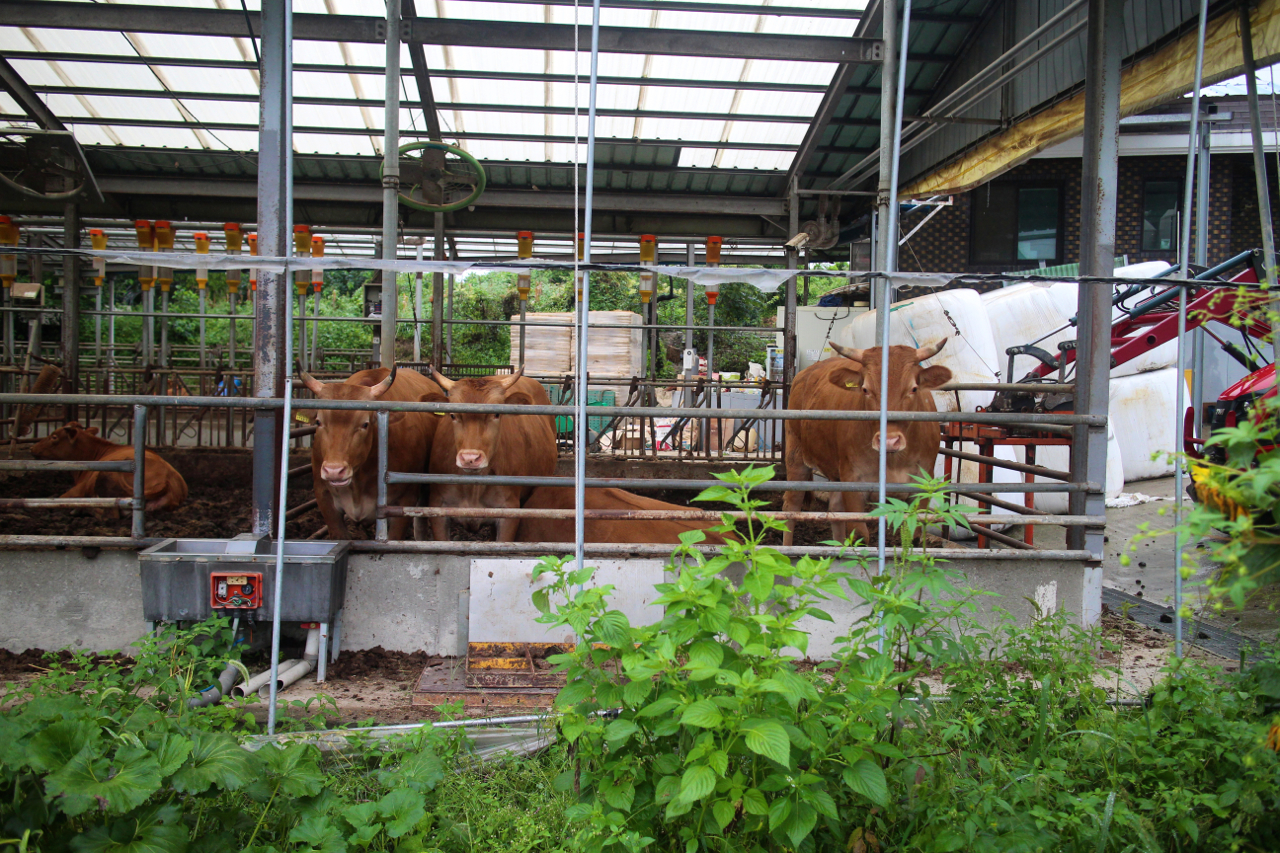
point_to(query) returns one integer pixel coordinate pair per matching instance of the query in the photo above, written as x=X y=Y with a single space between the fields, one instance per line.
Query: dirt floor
x=218 y=506
x=211 y=511
x=377 y=685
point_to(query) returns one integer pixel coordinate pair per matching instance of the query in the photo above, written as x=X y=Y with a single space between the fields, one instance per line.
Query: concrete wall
x=409 y=602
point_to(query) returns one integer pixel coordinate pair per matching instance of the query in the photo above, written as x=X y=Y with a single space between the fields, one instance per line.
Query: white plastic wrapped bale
x=548 y=350
x=1142 y=411
x=1022 y=314
x=1066 y=293
x=970 y=351
x=1058 y=458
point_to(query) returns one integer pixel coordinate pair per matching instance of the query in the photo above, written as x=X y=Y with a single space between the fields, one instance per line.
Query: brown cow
x=606 y=529
x=344 y=451
x=848 y=451
x=163 y=487
x=500 y=445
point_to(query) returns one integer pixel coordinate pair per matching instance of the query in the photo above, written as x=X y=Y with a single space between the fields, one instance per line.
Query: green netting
x=562 y=397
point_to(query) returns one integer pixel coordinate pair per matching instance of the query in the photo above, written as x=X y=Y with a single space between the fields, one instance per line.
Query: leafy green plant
x=705 y=730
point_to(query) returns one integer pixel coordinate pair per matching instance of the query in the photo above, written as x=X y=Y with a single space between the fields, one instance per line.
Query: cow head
x=908 y=384
x=345 y=438
x=476 y=435
x=65 y=443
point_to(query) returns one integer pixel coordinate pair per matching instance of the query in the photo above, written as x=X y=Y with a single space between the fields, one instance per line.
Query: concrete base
x=410 y=602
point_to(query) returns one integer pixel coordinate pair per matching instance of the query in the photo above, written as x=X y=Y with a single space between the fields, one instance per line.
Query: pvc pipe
x=288 y=677
x=251 y=686
x=213 y=694
x=312 y=650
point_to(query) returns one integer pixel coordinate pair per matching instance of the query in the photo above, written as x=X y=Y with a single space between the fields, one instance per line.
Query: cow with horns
x=344 y=452
x=849 y=451
x=482 y=444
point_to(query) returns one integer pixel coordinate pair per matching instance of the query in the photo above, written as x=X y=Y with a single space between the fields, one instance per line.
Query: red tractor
x=1152 y=322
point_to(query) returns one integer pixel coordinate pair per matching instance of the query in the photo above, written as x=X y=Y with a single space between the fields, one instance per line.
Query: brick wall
x=943 y=244
x=1246 y=232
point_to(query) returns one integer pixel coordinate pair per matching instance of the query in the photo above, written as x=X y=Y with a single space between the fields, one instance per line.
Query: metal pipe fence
x=141 y=404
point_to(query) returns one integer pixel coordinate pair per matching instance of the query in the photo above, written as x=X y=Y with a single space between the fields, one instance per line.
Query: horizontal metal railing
x=984 y=492
x=136 y=466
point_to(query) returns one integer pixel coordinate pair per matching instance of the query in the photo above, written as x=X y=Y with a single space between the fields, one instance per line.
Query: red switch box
x=235 y=590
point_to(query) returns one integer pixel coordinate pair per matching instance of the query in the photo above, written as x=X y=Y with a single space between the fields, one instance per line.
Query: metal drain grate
x=1194 y=632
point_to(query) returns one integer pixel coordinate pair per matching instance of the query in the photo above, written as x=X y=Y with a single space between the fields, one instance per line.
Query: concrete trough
x=92 y=600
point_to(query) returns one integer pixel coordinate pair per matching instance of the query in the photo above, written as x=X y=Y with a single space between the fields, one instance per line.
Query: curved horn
x=385 y=385
x=314 y=385
x=443 y=381
x=930 y=351
x=506 y=383
x=849 y=352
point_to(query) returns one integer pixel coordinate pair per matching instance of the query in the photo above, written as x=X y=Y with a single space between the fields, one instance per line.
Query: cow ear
x=91 y=430
x=846 y=378
x=518 y=398
x=434 y=397
x=934 y=377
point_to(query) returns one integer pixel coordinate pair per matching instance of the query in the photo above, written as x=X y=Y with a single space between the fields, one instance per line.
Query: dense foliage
x=706 y=730
x=478 y=296
x=703 y=731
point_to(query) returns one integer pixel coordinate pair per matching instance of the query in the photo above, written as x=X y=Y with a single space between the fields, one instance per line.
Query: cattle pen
x=1028 y=448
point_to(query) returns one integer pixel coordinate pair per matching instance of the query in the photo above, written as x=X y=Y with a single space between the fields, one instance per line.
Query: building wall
x=943 y=244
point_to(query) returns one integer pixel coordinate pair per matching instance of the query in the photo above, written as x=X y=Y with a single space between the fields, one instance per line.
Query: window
x=1160 y=215
x=1016 y=222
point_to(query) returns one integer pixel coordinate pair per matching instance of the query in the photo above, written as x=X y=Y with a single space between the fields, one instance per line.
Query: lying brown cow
x=344 y=451
x=163 y=487
x=489 y=444
x=606 y=529
x=849 y=451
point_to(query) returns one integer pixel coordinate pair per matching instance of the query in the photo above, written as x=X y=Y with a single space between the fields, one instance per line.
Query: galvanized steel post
x=1193 y=145
x=790 y=358
x=885 y=191
x=686 y=393
x=890 y=253
x=580 y=431
x=437 y=296
x=380 y=524
x=391 y=185
x=1099 y=182
x=1259 y=164
x=275 y=228
x=71 y=308
x=139 y=529
x=1202 y=259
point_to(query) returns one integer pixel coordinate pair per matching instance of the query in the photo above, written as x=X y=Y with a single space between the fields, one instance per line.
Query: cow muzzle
x=895 y=443
x=472 y=460
x=338 y=475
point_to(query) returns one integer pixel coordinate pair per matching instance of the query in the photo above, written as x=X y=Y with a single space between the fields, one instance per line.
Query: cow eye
x=364 y=425
x=452 y=416
x=496 y=416
x=318 y=423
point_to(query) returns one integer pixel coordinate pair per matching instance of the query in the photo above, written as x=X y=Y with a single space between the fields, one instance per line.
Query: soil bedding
x=211 y=511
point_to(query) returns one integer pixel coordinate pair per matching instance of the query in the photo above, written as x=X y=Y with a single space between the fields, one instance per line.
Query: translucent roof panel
x=493 y=101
